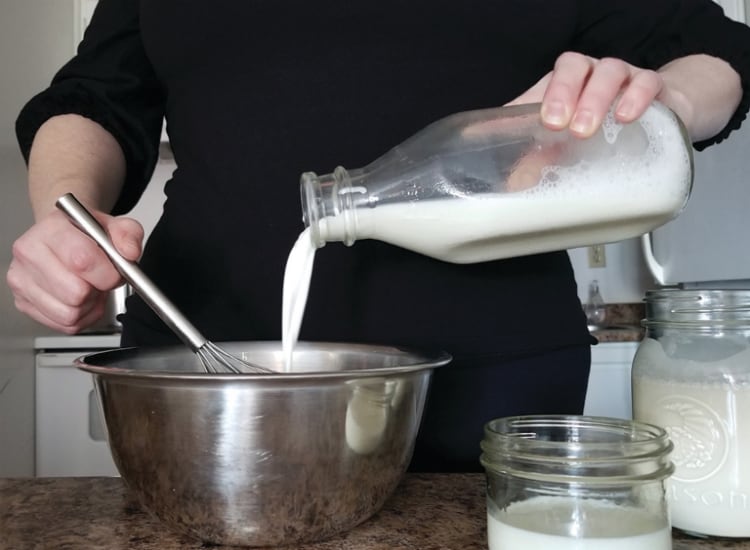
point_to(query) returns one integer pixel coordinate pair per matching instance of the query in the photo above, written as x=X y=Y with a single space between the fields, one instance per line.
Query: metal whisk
x=213 y=358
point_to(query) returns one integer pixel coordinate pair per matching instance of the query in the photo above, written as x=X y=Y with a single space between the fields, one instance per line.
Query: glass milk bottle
x=691 y=375
x=495 y=183
x=576 y=483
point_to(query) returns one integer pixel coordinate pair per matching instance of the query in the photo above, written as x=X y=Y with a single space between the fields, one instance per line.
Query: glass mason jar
x=494 y=183
x=691 y=375
x=576 y=482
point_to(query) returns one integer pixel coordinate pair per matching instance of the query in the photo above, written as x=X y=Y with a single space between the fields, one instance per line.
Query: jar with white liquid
x=576 y=483
x=691 y=375
x=495 y=183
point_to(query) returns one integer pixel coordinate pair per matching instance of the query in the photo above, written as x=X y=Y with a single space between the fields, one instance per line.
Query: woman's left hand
x=579 y=91
x=703 y=90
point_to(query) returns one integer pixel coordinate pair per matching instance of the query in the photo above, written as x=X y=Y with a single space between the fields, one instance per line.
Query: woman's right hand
x=60 y=277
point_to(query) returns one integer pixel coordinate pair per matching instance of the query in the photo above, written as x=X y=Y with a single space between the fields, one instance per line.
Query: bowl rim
x=425 y=360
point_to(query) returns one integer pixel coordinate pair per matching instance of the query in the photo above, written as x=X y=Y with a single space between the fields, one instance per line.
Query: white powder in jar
x=709 y=424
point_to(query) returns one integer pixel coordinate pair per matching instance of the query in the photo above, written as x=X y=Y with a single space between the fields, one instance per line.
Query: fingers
x=47 y=310
x=644 y=87
x=581 y=89
x=604 y=83
x=59 y=276
x=560 y=103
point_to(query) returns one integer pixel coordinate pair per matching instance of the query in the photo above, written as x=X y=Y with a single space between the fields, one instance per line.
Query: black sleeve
x=650 y=33
x=111 y=82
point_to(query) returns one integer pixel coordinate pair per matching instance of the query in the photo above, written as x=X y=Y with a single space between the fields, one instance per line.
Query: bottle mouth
x=328 y=207
x=311 y=199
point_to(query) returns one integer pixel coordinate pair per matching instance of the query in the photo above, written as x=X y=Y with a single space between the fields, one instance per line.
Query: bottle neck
x=328 y=206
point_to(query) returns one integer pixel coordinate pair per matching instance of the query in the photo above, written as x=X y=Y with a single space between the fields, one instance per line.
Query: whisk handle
x=131 y=272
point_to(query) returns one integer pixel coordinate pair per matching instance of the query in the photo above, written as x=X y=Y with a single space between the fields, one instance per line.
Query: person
x=254 y=94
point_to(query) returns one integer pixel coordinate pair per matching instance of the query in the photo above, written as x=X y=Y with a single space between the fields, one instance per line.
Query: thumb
x=127 y=236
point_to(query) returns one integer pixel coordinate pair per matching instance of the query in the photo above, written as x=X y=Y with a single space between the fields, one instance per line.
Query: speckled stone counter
x=619 y=334
x=427 y=512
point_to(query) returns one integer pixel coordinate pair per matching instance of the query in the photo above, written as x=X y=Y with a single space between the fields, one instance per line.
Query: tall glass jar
x=691 y=375
x=576 y=482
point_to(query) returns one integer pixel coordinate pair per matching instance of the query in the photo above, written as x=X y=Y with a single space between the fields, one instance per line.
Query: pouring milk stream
x=297 y=275
x=494 y=183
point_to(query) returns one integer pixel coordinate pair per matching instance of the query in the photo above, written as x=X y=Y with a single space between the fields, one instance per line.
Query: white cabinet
x=609 y=383
x=71 y=439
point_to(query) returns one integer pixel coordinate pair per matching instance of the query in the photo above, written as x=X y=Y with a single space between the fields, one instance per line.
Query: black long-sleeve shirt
x=257 y=92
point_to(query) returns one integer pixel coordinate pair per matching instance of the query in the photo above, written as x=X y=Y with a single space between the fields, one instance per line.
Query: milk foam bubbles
x=527 y=525
x=709 y=423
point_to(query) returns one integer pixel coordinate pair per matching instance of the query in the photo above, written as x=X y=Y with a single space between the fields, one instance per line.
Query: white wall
x=624 y=279
x=36 y=37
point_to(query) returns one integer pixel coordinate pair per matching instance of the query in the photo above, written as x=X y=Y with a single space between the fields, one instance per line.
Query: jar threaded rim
x=577 y=449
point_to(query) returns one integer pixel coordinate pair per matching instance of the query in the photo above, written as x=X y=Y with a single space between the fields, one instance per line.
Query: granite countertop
x=427 y=512
x=619 y=334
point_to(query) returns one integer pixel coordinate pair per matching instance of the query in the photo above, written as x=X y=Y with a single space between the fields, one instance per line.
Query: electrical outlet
x=597 y=256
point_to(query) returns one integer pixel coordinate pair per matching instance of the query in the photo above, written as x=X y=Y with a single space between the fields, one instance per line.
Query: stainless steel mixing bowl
x=263 y=459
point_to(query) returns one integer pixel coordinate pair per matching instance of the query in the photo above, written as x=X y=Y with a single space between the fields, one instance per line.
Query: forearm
x=703 y=90
x=73 y=154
